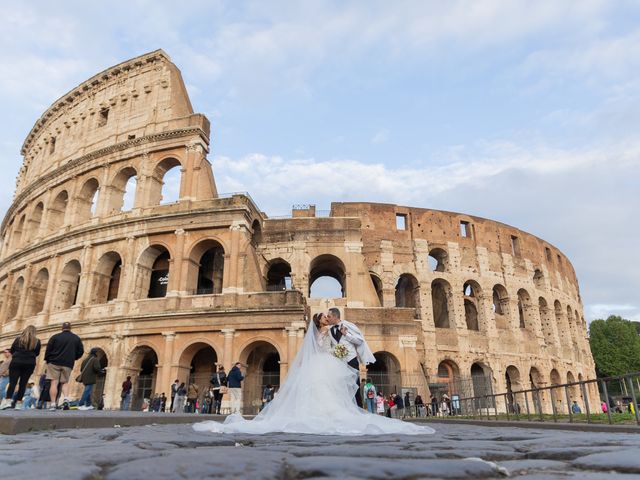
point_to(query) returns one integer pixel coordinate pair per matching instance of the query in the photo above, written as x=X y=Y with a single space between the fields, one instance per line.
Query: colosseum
x=169 y=283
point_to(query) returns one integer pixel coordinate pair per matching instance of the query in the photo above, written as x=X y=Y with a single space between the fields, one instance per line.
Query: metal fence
x=553 y=403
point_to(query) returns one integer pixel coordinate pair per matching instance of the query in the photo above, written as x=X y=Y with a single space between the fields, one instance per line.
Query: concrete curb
x=579 y=427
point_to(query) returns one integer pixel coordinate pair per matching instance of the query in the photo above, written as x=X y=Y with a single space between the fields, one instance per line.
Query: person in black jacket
x=234 y=382
x=219 y=383
x=24 y=351
x=63 y=349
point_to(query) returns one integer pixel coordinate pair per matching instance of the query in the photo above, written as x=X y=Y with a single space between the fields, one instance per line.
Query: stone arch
x=514 y=385
x=199 y=359
x=206 y=270
x=57 y=211
x=325 y=267
x=106 y=285
x=153 y=272
x=448 y=374
x=123 y=190
x=34 y=222
x=538 y=279
x=18 y=232
x=561 y=325
x=481 y=380
x=536 y=381
x=384 y=373
x=438 y=260
x=524 y=309
x=144 y=360
x=471 y=292
x=440 y=302
x=68 y=283
x=256 y=233
x=500 y=306
x=87 y=200
x=262 y=359
x=546 y=320
x=558 y=394
x=163 y=187
x=574 y=390
x=408 y=293
x=37 y=293
x=377 y=286
x=278 y=275
x=17 y=291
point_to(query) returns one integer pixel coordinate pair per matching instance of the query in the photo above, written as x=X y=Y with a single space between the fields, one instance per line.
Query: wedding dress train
x=317 y=397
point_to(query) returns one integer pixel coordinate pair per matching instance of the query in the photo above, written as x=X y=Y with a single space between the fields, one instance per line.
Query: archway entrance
x=145 y=360
x=481 y=381
x=201 y=360
x=263 y=368
x=447 y=380
x=385 y=373
x=512 y=379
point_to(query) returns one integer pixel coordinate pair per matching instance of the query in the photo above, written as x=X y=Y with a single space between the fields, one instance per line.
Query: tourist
x=370 y=396
x=43 y=385
x=380 y=403
x=192 y=398
x=163 y=402
x=407 y=403
x=180 y=397
x=24 y=351
x=434 y=405
x=219 y=385
x=391 y=411
x=419 y=406
x=604 y=407
x=125 y=393
x=444 y=408
x=234 y=383
x=89 y=371
x=30 y=397
x=4 y=372
x=575 y=408
x=174 y=389
x=267 y=395
x=63 y=349
x=399 y=405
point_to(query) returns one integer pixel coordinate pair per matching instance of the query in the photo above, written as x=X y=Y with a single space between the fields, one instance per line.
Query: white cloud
x=381 y=136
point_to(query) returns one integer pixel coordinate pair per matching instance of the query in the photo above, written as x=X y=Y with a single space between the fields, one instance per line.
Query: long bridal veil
x=317 y=397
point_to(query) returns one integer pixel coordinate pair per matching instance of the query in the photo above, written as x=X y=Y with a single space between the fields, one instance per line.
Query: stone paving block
x=619 y=460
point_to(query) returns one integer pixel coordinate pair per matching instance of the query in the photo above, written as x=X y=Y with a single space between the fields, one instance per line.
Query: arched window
x=68 y=284
x=34 y=222
x=107 y=278
x=37 y=293
x=14 y=299
x=407 y=292
x=547 y=321
x=440 y=291
x=524 y=308
x=538 y=279
x=57 y=211
x=377 y=286
x=87 y=200
x=123 y=191
x=256 y=233
x=327 y=277
x=438 y=260
x=211 y=270
x=278 y=276
x=159 y=276
x=471 y=290
x=18 y=233
x=501 y=306
x=165 y=182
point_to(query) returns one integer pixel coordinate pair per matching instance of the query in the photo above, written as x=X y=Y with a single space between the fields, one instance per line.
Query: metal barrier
x=533 y=404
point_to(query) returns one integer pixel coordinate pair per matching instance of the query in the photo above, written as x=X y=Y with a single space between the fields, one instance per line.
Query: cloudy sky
x=523 y=112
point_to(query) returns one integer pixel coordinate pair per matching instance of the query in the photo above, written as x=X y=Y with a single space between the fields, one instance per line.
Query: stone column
x=25 y=291
x=112 y=380
x=176 y=282
x=232 y=259
x=166 y=367
x=86 y=276
x=227 y=353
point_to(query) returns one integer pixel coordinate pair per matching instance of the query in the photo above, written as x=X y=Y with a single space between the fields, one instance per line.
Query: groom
x=347 y=334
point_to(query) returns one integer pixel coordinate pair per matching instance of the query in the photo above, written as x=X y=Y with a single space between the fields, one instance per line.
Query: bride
x=317 y=397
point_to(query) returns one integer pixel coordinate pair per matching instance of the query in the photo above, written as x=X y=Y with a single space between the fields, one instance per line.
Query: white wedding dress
x=317 y=397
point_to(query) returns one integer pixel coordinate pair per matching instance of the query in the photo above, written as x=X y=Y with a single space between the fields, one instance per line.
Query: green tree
x=615 y=346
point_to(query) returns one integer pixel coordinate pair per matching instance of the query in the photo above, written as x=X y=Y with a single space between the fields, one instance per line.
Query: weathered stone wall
x=168 y=290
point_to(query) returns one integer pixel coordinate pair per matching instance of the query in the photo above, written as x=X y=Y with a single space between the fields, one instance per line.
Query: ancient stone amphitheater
x=168 y=283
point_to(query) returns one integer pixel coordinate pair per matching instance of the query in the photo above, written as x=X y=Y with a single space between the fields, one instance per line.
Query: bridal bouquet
x=340 y=351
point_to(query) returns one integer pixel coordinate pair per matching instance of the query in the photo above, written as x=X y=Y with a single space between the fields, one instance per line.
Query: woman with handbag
x=24 y=351
x=88 y=376
x=219 y=382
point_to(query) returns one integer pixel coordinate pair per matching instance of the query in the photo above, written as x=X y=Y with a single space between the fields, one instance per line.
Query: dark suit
x=353 y=363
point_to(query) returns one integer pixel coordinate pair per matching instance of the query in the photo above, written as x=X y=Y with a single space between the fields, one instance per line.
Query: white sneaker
x=82 y=407
x=18 y=406
x=90 y=407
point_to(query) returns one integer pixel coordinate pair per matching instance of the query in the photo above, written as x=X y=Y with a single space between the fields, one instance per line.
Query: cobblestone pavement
x=455 y=451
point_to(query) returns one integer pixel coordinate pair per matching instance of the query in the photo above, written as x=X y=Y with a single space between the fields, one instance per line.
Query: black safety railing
x=617 y=403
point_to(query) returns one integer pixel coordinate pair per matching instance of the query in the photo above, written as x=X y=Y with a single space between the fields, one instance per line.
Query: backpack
x=370 y=393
